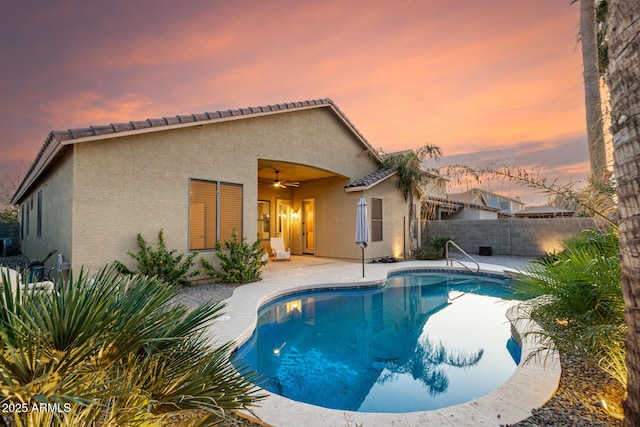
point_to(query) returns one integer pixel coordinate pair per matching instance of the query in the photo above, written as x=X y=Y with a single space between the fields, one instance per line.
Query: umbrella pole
x=362 y=262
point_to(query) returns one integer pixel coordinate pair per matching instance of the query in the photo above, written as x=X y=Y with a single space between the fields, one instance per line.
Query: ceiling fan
x=283 y=184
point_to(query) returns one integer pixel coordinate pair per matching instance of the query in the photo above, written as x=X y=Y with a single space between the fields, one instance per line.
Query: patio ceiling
x=290 y=171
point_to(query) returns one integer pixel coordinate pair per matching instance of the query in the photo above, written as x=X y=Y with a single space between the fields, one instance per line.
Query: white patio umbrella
x=362 y=228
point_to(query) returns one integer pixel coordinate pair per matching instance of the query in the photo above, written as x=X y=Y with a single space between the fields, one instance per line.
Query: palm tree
x=593 y=101
x=624 y=83
x=410 y=175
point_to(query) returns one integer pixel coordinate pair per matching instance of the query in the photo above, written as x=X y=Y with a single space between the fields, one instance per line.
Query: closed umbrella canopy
x=362 y=228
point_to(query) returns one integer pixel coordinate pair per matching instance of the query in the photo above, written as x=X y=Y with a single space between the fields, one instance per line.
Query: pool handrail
x=448 y=260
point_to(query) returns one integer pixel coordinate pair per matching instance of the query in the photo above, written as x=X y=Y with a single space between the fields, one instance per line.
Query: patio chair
x=15 y=279
x=278 y=250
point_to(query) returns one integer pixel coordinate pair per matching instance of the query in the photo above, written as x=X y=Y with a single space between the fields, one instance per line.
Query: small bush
x=240 y=262
x=434 y=249
x=161 y=263
x=429 y=252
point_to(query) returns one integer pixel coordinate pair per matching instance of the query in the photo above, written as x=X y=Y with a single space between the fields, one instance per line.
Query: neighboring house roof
x=468 y=198
x=462 y=202
x=371 y=180
x=55 y=143
x=479 y=191
x=450 y=206
x=485 y=197
x=455 y=206
x=543 y=212
x=482 y=207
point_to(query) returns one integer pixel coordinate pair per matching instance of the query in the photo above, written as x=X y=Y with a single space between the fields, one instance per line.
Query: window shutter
x=202 y=215
x=376 y=220
x=231 y=210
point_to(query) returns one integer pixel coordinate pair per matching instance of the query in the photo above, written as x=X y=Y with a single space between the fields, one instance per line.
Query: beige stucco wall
x=394 y=213
x=336 y=218
x=57 y=215
x=139 y=184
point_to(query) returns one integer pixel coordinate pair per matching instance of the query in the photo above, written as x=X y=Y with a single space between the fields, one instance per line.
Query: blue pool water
x=422 y=341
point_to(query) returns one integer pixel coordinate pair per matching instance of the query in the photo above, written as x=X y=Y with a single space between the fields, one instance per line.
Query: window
x=376 y=220
x=215 y=209
x=27 y=220
x=264 y=220
x=23 y=209
x=39 y=216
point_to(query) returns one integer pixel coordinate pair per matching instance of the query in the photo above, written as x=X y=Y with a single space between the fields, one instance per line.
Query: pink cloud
x=467 y=76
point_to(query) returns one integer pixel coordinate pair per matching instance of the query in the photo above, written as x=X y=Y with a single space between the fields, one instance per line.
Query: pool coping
x=533 y=383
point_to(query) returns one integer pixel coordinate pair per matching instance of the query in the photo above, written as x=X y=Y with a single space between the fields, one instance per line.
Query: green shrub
x=582 y=311
x=9 y=214
x=114 y=350
x=161 y=263
x=434 y=249
x=429 y=252
x=240 y=262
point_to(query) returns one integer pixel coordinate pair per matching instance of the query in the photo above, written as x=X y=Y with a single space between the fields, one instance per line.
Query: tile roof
x=56 y=139
x=544 y=211
x=370 y=180
x=113 y=128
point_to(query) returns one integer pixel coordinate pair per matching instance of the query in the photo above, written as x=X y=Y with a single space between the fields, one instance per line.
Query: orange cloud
x=467 y=76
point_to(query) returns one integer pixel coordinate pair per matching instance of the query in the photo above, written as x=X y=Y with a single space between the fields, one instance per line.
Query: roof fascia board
x=48 y=154
x=357 y=134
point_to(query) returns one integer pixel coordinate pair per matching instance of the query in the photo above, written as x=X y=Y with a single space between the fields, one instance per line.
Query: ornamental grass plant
x=578 y=300
x=113 y=350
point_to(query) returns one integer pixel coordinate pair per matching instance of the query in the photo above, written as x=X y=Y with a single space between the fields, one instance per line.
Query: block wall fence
x=529 y=237
x=9 y=230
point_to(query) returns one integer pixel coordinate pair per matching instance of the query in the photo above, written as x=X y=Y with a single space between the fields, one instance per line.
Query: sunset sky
x=496 y=80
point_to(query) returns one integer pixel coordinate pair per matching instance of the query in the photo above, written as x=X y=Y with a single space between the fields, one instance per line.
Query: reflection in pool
x=423 y=341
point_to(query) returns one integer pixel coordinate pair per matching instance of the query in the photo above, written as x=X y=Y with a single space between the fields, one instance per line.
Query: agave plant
x=115 y=350
x=581 y=310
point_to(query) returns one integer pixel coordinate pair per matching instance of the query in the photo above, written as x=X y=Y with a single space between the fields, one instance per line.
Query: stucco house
x=294 y=170
x=484 y=204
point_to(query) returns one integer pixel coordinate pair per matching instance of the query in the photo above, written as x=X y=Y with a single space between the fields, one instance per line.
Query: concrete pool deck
x=532 y=385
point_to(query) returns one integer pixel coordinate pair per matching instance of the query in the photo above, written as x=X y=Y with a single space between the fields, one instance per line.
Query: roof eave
x=367 y=187
x=49 y=152
x=354 y=189
x=53 y=145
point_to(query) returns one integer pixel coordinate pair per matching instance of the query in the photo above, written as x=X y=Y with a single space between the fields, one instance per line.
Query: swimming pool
x=421 y=341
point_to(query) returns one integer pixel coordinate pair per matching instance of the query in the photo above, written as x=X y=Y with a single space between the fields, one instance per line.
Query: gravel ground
x=577 y=402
